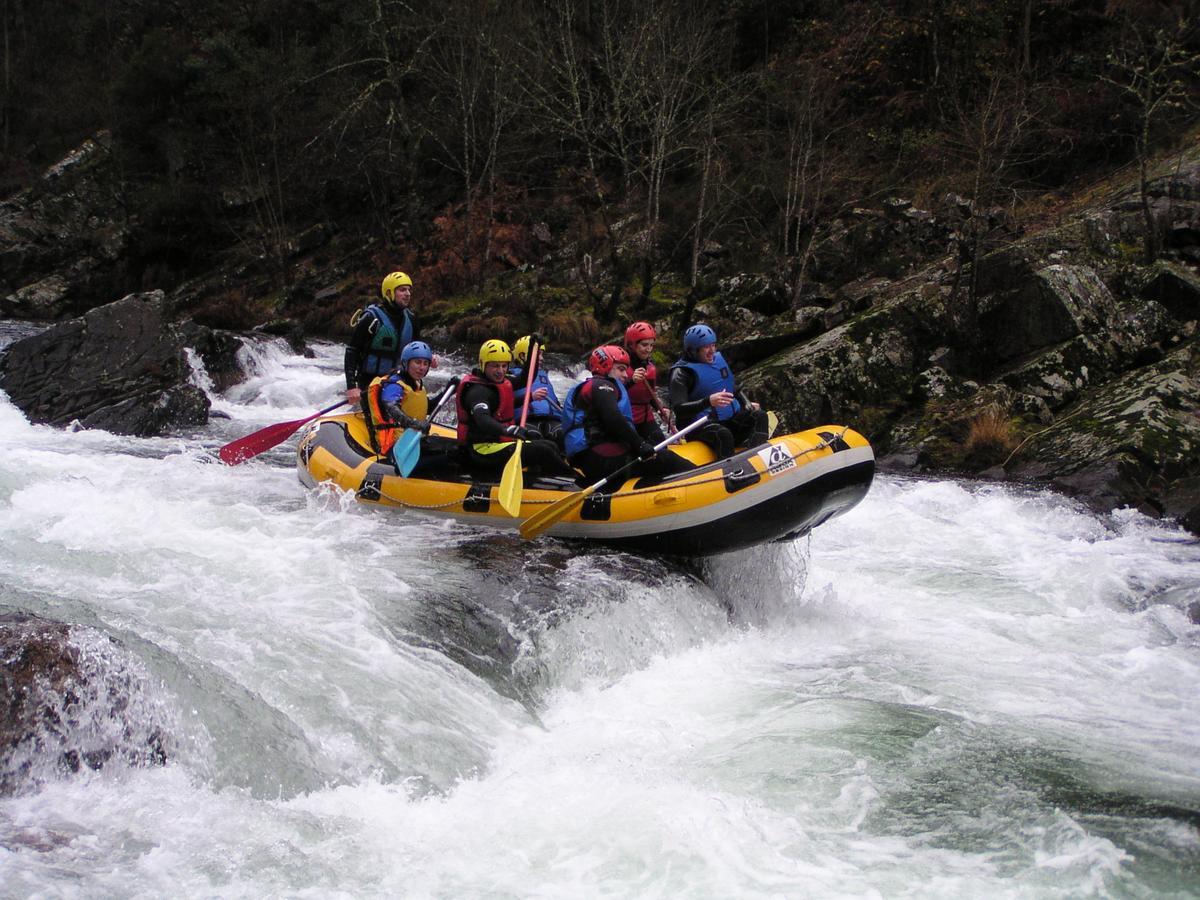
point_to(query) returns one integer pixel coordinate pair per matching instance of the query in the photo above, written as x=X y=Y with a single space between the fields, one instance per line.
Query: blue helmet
x=698 y=336
x=415 y=350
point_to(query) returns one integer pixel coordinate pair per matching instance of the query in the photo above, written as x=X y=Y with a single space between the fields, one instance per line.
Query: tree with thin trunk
x=625 y=83
x=473 y=63
x=1151 y=67
x=988 y=134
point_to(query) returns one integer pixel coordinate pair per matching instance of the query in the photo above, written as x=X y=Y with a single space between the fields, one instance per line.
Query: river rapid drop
x=956 y=690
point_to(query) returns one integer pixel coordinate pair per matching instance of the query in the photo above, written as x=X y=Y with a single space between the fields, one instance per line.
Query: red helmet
x=639 y=331
x=603 y=359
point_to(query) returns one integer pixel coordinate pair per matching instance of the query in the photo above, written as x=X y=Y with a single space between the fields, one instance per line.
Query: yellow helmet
x=520 y=349
x=391 y=282
x=494 y=351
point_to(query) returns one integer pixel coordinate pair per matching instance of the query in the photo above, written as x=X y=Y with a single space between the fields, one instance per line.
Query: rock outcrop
x=1076 y=360
x=954 y=338
x=1134 y=441
x=64 y=241
x=121 y=367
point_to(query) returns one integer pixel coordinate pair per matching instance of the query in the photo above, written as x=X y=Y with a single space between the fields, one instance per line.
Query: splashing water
x=954 y=690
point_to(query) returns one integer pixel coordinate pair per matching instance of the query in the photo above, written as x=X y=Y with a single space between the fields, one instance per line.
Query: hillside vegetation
x=647 y=147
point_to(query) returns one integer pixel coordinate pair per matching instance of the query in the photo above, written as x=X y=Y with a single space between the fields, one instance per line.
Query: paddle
x=667 y=419
x=540 y=521
x=244 y=448
x=772 y=423
x=407 y=451
x=512 y=482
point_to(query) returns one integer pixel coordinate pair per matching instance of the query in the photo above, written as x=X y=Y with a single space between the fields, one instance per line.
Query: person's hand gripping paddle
x=407 y=451
x=544 y=518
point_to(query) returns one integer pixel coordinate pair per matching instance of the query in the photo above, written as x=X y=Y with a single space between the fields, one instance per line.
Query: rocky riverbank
x=1072 y=362
x=953 y=339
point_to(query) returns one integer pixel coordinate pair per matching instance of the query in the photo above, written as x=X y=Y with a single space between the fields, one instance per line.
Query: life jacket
x=642 y=393
x=413 y=403
x=387 y=342
x=581 y=429
x=542 y=408
x=503 y=412
x=710 y=378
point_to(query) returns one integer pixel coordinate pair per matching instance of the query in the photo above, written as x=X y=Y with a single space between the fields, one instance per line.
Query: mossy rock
x=1129 y=443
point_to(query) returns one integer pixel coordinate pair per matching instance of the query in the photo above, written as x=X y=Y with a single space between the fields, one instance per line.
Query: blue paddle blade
x=407 y=451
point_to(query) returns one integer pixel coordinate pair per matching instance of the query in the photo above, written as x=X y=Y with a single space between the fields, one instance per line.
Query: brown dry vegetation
x=991 y=436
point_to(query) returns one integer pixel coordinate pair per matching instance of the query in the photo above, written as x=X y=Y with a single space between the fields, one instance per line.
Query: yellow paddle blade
x=544 y=518
x=772 y=423
x=512 y=484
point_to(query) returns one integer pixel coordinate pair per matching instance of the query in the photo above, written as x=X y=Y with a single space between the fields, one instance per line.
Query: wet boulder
x=1134 y=441
x=760 y=293
x=72 y=698
x=121 y=367
x=1176 y=288
x=1044 y=307
x=861 y=370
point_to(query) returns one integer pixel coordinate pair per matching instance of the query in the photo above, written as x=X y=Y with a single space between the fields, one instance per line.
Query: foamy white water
x=955 y=690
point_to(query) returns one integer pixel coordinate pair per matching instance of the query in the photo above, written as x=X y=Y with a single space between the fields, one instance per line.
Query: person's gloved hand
x=646 y=451
x=516 y=431
x=536 y=338
x=406 y=422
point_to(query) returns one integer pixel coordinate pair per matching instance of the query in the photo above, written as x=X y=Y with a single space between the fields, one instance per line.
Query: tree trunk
x=1026 y=28
x=698 y=234
x=1150 y=242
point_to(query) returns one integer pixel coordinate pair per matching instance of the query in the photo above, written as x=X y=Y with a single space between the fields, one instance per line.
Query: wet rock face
x=1134 y=441
x=119 y=367
x=70 y=699
x=64 y=241
x=1082 y=356
x=1176 y=288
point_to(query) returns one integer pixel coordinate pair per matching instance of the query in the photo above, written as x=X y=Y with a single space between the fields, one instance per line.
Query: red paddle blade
x=251 y=445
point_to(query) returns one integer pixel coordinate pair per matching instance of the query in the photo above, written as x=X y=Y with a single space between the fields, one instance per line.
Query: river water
x=954 y=690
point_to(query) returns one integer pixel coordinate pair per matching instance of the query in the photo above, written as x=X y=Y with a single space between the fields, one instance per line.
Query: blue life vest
x=710 y=378
x=546 y=407
x=387 y=342
x=577 y=436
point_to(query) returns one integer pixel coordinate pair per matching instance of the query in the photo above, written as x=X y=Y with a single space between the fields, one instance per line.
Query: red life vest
x=642 y=394
x=503 y=412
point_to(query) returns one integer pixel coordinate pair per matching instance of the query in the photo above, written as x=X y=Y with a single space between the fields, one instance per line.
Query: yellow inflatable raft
x=780 y=489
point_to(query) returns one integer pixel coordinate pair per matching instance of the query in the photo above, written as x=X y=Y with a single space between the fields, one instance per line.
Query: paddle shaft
x=534 y=353
x=447 y=393
x=699 y=423
x=407 y=451
x=539 y=522
x=512 y=481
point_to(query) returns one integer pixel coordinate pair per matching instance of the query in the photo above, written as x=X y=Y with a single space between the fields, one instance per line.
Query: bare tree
x=804 y=152
x=626 y=83
x=814 y=128
x=377 y=130
x=1150 y=66
x=990 y=136
x=474 y=63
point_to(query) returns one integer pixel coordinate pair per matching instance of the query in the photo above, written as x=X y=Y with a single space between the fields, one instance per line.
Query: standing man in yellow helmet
x=381 y=332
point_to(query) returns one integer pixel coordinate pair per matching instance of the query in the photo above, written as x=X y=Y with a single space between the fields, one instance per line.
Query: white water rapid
x=956 y=690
